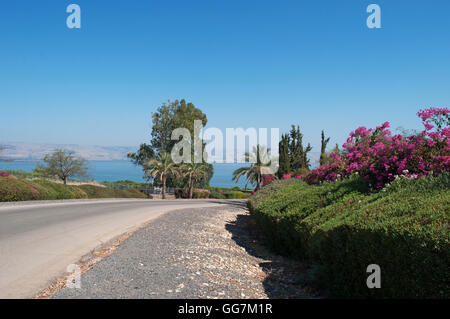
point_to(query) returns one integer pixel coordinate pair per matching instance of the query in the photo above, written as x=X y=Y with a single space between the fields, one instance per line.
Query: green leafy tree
x=169 y=116
x=162 y=127
x=260 y=163
x=63 y=164
x=284 y=160
x=177 y=114
x=323 y=154
x=160 y=168
x=143 y=155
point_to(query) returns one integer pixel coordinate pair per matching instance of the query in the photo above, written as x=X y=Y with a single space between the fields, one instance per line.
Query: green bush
x=217 y=195
x=236 y=195
x=15 y=189
x=227 y=193
x=342 y=228
x=200 y=193
x=267 y=190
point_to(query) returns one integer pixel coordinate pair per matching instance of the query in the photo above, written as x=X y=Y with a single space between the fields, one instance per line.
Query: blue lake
x=121 y=170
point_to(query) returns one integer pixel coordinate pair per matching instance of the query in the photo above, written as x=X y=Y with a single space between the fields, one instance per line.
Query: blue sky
x=244 y=63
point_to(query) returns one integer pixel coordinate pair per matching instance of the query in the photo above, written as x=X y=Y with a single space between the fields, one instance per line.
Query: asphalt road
x=38 y=240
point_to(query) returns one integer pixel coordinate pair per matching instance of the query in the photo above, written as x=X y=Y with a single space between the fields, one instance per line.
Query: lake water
x=111 y=171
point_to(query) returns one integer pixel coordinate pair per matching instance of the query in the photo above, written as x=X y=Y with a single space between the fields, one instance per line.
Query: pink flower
x=378 y=156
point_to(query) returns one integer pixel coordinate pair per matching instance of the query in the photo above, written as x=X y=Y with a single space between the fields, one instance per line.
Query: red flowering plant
x=3 y=174
x=266 y=180
x=380 y=157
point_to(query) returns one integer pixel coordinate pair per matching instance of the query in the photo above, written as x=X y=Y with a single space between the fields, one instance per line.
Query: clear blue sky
x=244 y=63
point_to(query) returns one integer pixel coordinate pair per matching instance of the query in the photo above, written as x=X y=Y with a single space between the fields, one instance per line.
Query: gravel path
x=192 y=253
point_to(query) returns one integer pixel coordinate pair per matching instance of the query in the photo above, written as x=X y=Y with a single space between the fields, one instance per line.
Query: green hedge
x=16 y=189
x=270 y=189
x=342 y=228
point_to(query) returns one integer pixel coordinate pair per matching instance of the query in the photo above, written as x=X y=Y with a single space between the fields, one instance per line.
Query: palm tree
x=195 y=172
x=260 y=165
x=160 y=168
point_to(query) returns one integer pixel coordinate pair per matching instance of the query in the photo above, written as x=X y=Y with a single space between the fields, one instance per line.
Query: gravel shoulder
x=193 y=253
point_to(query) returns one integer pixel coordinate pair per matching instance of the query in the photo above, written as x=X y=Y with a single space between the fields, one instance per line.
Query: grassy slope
x=15 y=189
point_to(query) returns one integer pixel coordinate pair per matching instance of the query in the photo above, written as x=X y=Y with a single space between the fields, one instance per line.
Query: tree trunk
x=191 y=188
x=164 y=188
x=65 y=180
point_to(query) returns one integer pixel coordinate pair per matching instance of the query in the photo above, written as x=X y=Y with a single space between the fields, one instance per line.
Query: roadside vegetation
x=13 y=188
x=214 y=193
x=343 y=227
x=382 y=200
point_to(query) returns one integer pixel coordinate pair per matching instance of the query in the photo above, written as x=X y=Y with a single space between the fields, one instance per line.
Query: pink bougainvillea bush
x=379 y=156
x=3 y=174
x=266 y=180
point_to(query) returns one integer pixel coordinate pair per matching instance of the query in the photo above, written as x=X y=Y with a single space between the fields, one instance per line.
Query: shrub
x=267 y=190
x=236 y=195
x=342 y=227
x=281 y=214
x=181 y=193
x=404 y=231
x=200 y=193
x=14 y=189
x=378 y=156
x=3 y=174
x=217 y=195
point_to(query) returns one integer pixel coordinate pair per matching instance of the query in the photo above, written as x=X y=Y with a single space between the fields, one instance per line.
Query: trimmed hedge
x=342 y=228
x=215 y=193
x=15 y=189
x=270 y=189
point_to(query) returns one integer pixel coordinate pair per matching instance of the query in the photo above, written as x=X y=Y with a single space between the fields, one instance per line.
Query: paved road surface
x=39 y=240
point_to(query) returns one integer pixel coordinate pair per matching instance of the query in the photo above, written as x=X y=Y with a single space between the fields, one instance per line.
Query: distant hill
x=33 y=151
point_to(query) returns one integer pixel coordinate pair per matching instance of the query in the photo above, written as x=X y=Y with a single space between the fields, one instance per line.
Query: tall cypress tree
x=305 y=162
x=323 y=148
x=297 y=153
x=284 y=161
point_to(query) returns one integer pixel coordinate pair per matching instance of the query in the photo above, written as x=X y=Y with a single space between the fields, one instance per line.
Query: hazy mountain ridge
x=35 y=151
